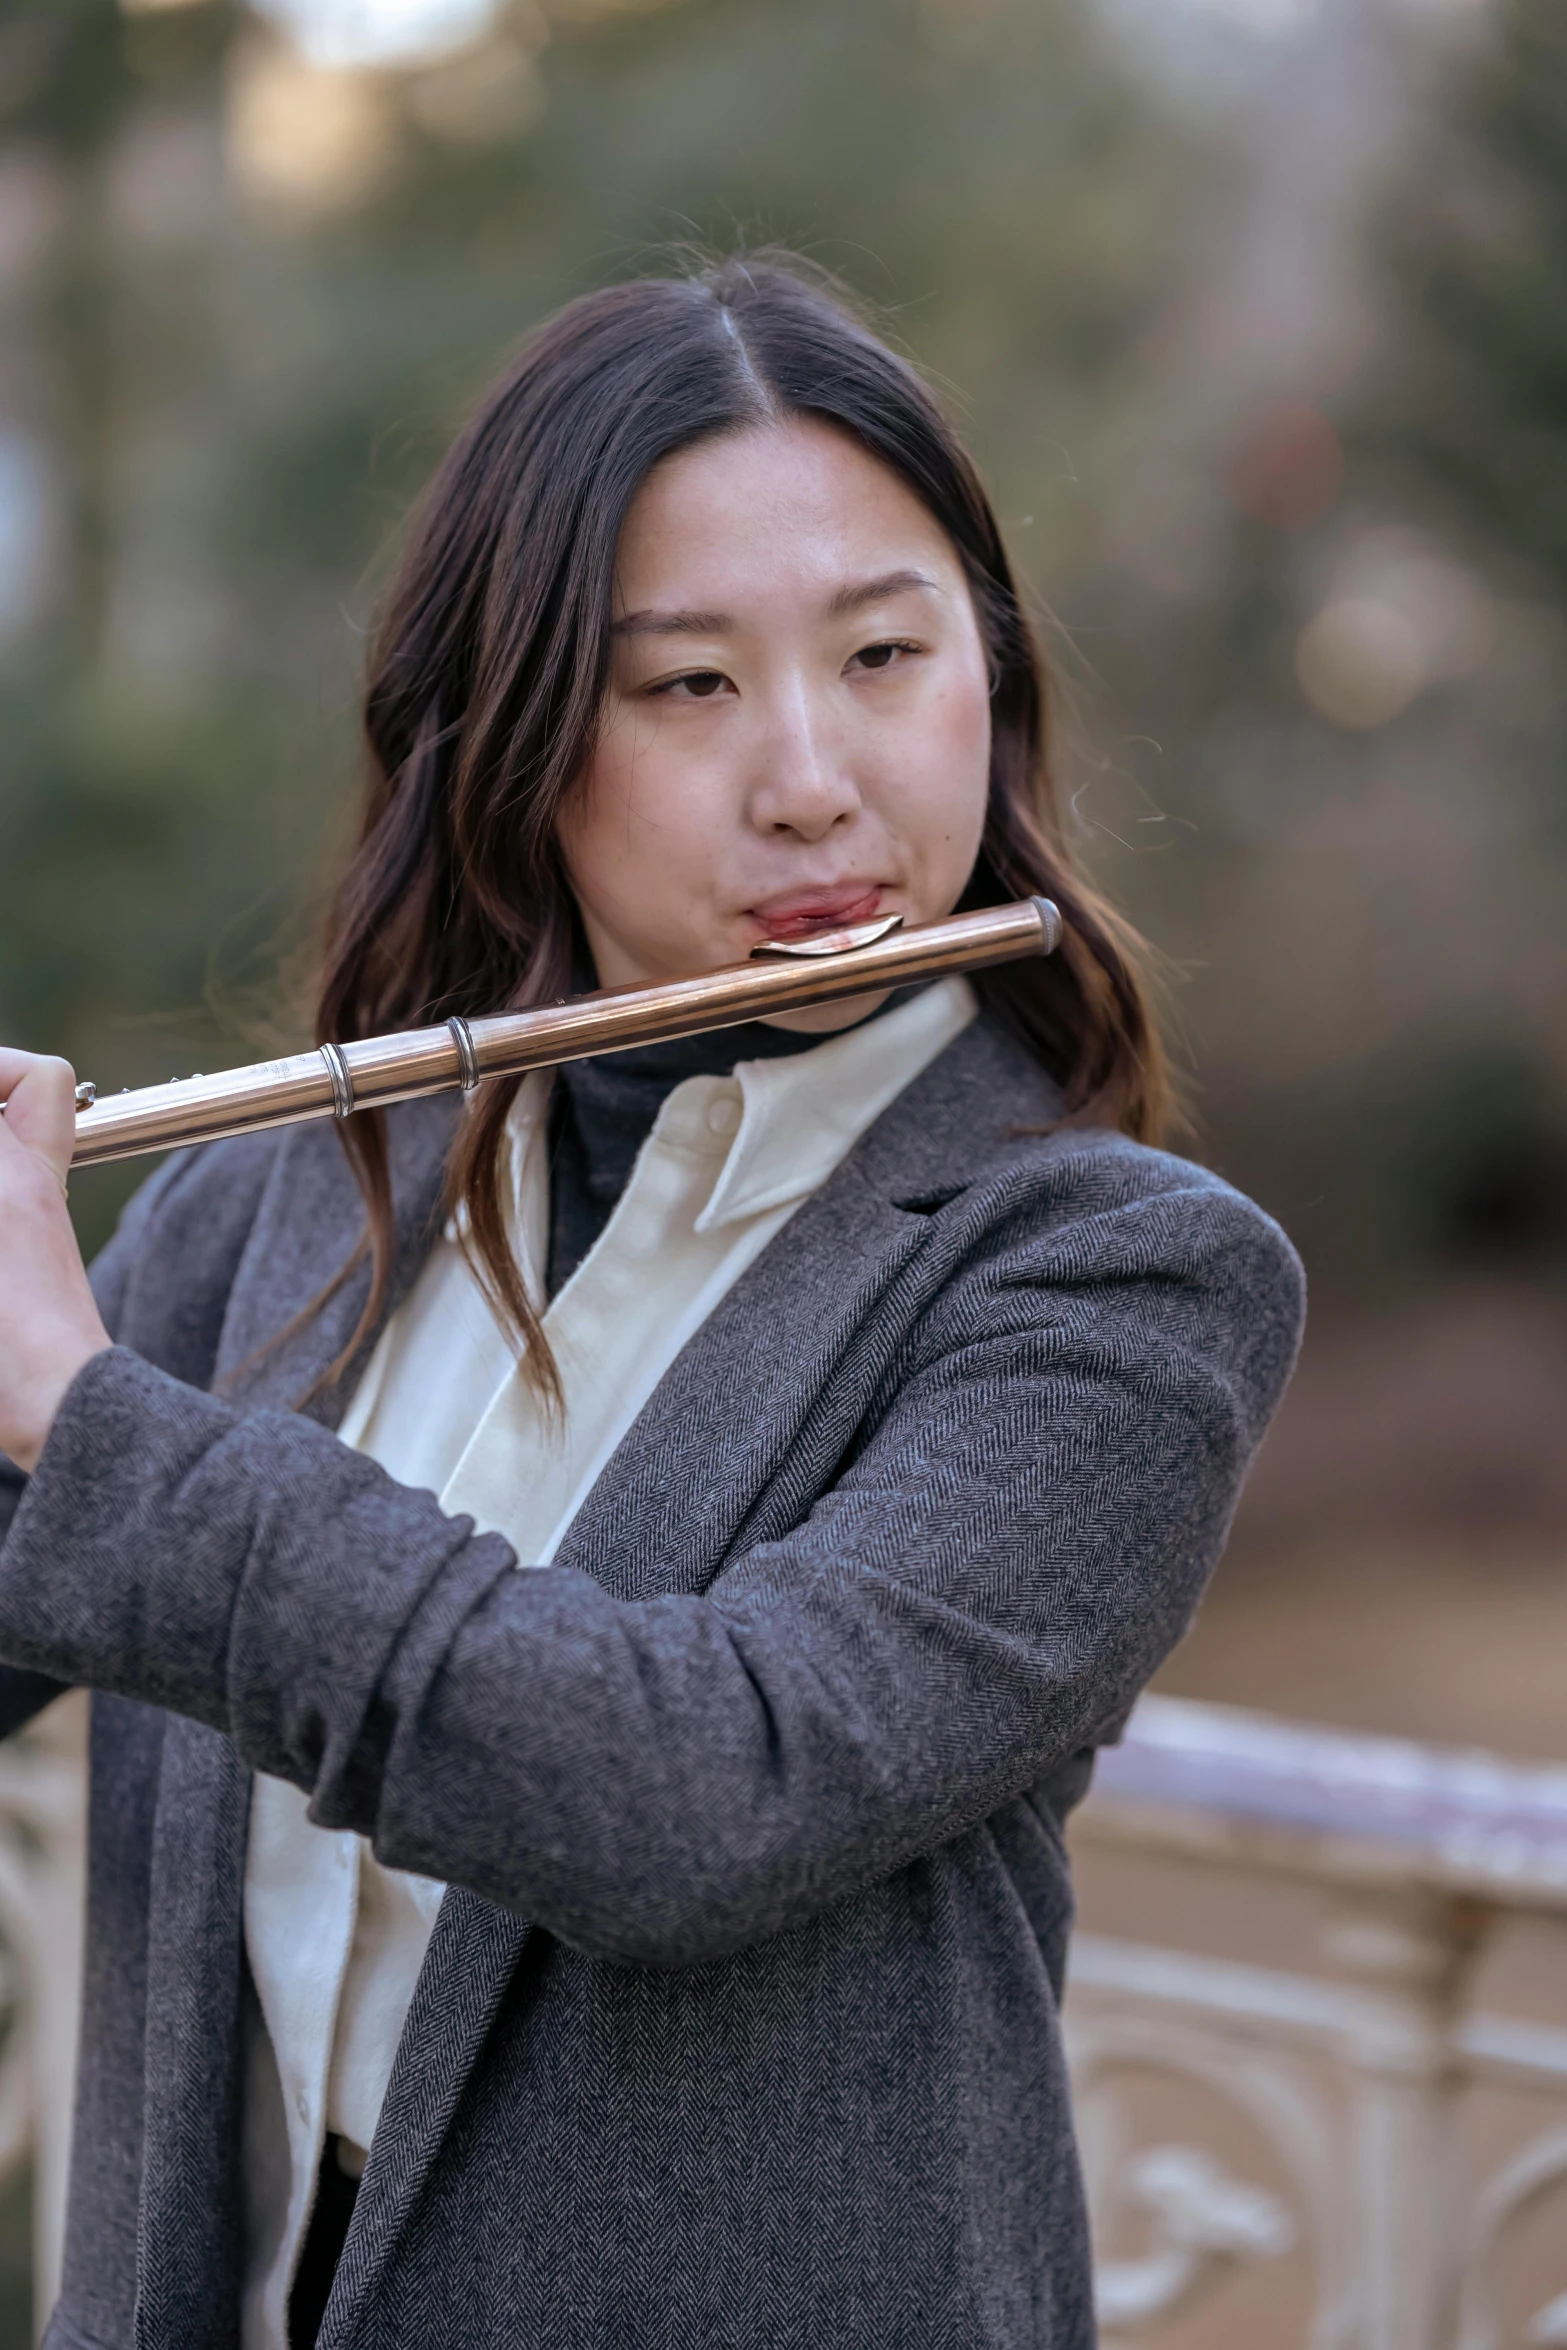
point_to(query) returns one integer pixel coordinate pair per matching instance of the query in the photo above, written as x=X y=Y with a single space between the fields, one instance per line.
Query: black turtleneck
x=602 y=1112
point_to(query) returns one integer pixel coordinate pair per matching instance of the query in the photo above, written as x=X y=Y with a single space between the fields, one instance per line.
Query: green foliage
x=1477 y=248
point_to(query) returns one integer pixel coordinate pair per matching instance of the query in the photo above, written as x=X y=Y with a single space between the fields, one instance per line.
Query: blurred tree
x=1355 y=669
x=1471 y=434
x=1476 y=241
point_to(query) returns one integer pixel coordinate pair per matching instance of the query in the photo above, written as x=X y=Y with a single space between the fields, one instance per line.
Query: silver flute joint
x=467 y=1058
x=342 y=1081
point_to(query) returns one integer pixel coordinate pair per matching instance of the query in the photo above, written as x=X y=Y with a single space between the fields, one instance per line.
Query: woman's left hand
x=49 y=1320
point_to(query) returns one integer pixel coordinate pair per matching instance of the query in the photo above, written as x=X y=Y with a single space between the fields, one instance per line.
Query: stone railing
x=1318 y=2099
x=1355 y=2117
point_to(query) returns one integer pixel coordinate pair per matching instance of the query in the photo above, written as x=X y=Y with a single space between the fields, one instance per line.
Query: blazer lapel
x=657 y=1520
x=473 y=1955
x=305 y=1229
x=786 y=1338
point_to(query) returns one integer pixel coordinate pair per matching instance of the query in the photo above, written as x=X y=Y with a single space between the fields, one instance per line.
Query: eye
x=882 y=656
x=697 y=685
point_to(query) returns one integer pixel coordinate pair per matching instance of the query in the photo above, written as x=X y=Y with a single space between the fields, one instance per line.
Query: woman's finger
x=38 y=1093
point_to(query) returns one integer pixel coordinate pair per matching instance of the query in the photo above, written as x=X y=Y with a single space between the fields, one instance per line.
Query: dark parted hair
x=491 y=663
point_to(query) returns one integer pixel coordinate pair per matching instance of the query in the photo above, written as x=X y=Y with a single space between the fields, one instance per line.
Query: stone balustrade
x=1414 y=2138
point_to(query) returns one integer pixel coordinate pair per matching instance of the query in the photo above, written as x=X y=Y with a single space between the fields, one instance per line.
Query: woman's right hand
x=49 y=1321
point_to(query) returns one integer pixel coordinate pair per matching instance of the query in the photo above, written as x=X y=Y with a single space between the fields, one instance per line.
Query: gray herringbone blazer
x=738 y=2030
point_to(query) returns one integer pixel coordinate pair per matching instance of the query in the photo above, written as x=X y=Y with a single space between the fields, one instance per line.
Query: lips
x=801 y=913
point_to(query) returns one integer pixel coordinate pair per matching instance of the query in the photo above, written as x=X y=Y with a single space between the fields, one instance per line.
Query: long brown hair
x=491 y=663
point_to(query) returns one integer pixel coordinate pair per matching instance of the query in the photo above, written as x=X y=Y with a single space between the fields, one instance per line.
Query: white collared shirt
x=335 y=1941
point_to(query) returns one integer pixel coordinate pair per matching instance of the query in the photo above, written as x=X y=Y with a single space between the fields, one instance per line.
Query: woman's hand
x=49 y=1321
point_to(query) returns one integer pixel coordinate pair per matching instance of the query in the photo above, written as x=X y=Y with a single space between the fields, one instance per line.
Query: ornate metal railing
x=1362 y=2074
x=1283 y=2081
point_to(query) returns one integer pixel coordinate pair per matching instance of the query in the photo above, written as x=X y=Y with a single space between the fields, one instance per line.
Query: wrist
x=31 y=1417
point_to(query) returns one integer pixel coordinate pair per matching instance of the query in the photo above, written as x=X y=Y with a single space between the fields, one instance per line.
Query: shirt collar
x=800 y=1117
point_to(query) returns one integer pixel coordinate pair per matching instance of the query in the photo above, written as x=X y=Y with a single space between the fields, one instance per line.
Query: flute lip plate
x=831 y=942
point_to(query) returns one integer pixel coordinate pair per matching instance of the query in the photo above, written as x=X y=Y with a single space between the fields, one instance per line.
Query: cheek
x=946 y=762
x=608 y=805
x=636 y=815
x=968 y=727
x=592 y=829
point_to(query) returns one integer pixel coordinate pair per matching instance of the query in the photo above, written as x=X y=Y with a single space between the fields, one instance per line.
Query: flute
x=337 y=1079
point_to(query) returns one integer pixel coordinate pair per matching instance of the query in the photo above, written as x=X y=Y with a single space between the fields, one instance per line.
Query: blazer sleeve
x=1018 y=1541
x=24 y=1694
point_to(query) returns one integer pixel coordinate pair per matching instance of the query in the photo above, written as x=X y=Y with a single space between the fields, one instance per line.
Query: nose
x=802 y=781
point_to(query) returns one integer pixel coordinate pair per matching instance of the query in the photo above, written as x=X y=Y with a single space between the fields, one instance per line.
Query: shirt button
x=724 y=1115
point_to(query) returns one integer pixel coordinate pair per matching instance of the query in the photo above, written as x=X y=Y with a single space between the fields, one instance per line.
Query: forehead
x=797 y=504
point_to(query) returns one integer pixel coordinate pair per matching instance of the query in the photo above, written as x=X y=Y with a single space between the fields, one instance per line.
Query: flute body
x=336 y=1080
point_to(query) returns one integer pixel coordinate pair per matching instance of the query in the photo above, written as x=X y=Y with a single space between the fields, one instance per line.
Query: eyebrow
x=875 y=591
x=848 y=599
x=673 y=624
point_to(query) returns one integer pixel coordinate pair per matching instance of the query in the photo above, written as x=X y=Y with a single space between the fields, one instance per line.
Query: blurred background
x=1253 y=312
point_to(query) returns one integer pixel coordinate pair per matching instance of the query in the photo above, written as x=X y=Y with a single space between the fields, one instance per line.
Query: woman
x=662 y=1946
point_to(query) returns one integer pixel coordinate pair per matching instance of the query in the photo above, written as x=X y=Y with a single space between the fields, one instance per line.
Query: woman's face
x=797 y=728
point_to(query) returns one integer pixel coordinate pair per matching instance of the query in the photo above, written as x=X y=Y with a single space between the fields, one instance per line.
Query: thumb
x=38 y=1094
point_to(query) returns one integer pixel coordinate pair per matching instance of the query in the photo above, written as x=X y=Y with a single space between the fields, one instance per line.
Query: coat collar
x=961 y=1119
x=801 y=1115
